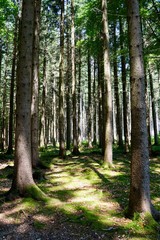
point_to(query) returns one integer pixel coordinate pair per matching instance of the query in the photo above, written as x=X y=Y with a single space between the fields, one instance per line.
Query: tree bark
x=154 y=115
x=10 y=144
x=124 y=85
x=108 y=91
x=74 y=98
x=23 y=182
x=139 y=198
x=117 y=94
x=35 y=86
x=62 y=151
x=89 y=103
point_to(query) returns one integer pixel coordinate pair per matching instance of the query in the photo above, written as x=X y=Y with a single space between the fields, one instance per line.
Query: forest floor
x=86 y=201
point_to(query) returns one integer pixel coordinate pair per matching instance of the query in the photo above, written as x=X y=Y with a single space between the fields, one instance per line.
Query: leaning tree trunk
x=23 y=182
x=139 y=198
x=108 y=89
x=35 y=86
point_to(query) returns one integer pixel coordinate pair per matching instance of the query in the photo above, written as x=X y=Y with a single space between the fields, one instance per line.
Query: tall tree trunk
x=154 y=115
x=116 y=92
x=108 y=89
x=35 y=86
x=53 y=112
x=139 y=198
x=62 y=151
x=79 y=94
x=95 y=107
x=10 y=144
x=89 y=103
x=43 y=141
x=23 y=181
x=74 y=99
x=68 y=85
x=100 y=126
x=124 y=85
x=4 y=99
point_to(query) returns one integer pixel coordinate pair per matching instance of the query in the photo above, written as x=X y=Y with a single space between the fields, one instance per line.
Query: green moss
x=35 y=192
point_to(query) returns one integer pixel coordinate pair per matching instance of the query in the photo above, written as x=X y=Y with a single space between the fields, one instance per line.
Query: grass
x=81 y=191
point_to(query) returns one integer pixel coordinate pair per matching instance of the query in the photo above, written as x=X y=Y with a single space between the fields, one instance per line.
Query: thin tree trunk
x=74 y=98
x=68 y=87
x=94 y=107
x=124 y=85
x=100 y=126
x=43 y=113
x=108 y=89
x=154 y=115
x=89 y=104
x=35 y=86
x=117 y=94
x=79 y=94
x=62 y=151
x=10 y=144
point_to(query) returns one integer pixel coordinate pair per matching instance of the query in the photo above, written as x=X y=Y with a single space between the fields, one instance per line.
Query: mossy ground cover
x=83 y=193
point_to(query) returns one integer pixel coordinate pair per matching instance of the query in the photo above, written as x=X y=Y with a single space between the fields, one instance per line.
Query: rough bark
x=23 y=182
x=139 y=198
x=108 y=91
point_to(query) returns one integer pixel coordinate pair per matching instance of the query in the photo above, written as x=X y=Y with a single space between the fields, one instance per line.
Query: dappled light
x=81 y=191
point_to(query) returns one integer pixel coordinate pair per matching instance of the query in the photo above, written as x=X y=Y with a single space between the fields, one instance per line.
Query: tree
x=139 y=198
x=75 y=137
x=23 y=182
x=35 y=85
x=61 y=86
x=108 y=89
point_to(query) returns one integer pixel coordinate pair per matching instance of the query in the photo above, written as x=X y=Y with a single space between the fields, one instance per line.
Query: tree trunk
x=124 y=85
x=108 y=90
x=23 y=182
x=89 y=103
x=35 y=86
x=79 y=94
x=95 y=107
x=139 y=198
x=117 y=94
x=62 y=151
x=154 y=115
x=10 y=144
x=74 y=99
x=100 y=126
x=43 y=141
